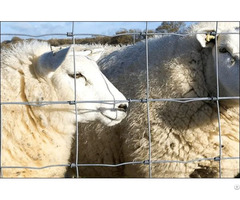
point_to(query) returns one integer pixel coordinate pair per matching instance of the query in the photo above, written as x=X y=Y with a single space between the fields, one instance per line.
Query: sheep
x=179 y=67
x=38 y=134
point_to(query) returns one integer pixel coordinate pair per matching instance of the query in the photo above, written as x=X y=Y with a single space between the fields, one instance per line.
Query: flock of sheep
x=36 y=133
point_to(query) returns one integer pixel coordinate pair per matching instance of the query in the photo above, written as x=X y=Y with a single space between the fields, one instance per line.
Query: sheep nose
x=123 y=107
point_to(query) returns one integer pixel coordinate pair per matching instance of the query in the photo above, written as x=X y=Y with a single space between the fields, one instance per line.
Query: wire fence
x=145 y=100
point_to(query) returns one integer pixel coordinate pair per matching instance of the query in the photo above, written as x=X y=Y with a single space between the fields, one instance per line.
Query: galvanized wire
x=33 y=36
x=217 y=101
x=29 y=167
x=104 y=35
x=70 y=102
x=148 y=109
x=145 y=162
x=74 y=102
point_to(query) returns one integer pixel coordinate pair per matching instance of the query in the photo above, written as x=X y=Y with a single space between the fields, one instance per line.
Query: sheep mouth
x=121 y=109
x=113 y=114
x=111 y=118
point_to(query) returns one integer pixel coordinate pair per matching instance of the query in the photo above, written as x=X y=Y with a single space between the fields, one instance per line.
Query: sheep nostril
x=233 y=61
x=123 y=107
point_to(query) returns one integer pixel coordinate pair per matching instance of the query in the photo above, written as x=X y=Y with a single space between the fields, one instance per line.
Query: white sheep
x=39 y=136
x=179 y=67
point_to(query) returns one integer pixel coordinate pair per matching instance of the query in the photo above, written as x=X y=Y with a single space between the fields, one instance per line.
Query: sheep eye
x=78 y=75
x=223 y=50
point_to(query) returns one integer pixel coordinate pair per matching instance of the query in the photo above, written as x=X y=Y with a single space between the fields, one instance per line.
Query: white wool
x=93 y=51
x=39 y=136
x=179 y=67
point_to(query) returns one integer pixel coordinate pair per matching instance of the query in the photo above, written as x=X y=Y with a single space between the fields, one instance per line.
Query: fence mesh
x=72 y=34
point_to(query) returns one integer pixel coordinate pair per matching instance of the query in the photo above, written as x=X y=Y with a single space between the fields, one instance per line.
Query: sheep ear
x=93 y=54
x=83 y=52
x=206 y=40
x=96 y=54
x=50 y=61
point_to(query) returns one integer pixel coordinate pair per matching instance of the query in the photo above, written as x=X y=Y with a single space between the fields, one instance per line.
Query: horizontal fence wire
x=146 y=162
x=146 y=100
x=69 y=34
x=177 y=100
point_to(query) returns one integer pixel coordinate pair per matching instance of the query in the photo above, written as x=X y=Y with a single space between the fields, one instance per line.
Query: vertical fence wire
x=147 y=98
x=217 y=101
x=75 y=101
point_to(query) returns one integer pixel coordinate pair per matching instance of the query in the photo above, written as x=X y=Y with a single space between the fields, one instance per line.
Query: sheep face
x=228 y=56
x=91 y=85
x=228 y=61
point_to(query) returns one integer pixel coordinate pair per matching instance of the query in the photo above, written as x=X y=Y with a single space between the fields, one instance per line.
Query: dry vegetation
x=120 y=37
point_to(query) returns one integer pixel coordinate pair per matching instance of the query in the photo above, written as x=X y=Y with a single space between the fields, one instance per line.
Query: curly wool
x=27 y=140
x=36 y=140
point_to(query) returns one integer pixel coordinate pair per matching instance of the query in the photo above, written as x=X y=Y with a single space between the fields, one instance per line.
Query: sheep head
x=56 y=70
x=228 y=58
